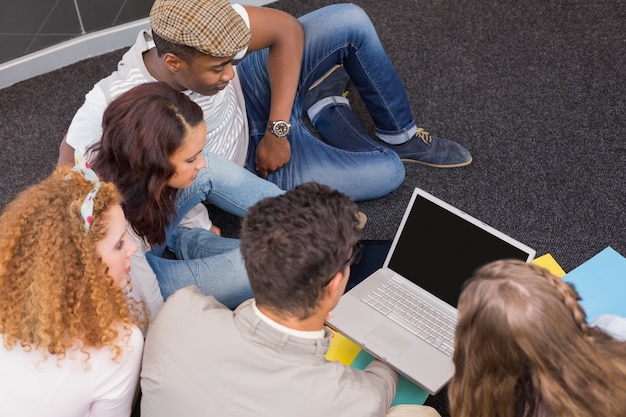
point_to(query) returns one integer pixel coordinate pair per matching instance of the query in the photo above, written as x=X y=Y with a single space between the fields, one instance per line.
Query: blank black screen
x=439 y=250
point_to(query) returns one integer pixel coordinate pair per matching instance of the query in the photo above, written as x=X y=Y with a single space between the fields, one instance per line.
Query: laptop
x=436 y=249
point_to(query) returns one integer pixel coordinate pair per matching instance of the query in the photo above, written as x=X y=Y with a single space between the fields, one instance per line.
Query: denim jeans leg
x=339 y=127
x=200 y=243
x=222 y=276
x=344 y=34
x=211 y=262
x=361 y=174
x=335 y=34
x=225 y=184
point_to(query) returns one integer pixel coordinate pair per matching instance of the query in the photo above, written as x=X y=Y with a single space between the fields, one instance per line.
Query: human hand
x=272 y=154
x=215 y=230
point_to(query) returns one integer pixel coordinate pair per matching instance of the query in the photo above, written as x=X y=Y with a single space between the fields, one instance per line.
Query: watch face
x=281 y=128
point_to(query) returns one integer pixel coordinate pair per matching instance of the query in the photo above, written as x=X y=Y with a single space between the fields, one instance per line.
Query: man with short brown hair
x=267 y=358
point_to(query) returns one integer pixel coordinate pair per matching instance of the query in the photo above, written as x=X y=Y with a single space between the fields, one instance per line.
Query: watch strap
x=279 y=128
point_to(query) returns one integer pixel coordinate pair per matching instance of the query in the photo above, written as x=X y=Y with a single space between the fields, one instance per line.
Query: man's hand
x=272 y=154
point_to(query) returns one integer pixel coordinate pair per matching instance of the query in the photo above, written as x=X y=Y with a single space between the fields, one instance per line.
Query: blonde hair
x=523 y=348
x=55 y=291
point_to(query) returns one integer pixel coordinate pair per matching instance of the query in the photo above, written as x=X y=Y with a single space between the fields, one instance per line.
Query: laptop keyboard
x=413 y=314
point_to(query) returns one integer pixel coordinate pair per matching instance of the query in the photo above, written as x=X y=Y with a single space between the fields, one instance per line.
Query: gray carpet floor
x=535 y=90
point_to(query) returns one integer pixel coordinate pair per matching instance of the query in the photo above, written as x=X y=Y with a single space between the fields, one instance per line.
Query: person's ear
x=173 y=62
x=334 y=290
x=337 y=285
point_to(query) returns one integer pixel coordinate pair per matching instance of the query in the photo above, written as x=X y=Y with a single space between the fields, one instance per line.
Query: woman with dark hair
x=151 y=148
x=523 y=348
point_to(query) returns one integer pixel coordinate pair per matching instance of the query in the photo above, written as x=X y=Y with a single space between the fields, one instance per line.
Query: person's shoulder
x=188 y=318
x=131 y=69
x=143 y=43
x=136 y=337
x=131 y=342
x=241 y=11
x=133 y=345
x=131 y=339
x=190 y=291
x=184 y=312
x=131 y=59
x=192 y=298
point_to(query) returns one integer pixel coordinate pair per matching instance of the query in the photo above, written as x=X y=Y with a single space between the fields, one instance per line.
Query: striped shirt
x=224 y=112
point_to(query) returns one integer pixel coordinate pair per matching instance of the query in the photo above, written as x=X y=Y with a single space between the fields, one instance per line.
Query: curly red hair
x=55 y=290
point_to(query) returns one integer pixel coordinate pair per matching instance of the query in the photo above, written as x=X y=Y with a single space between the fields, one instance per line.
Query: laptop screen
x=439 y=249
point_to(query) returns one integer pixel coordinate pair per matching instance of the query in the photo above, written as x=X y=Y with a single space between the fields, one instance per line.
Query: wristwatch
x=279 y=128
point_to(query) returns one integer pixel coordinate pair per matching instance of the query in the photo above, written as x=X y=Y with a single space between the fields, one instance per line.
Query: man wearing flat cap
x=263 y=78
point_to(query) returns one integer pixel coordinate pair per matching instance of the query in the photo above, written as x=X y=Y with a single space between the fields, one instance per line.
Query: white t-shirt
x=145 y=285
x=33 y=387
x=224 y=112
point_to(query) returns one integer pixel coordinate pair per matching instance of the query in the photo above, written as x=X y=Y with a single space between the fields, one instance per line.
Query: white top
x=145 y=285
x=224 y=112
x=33 y=387
x=614 y=325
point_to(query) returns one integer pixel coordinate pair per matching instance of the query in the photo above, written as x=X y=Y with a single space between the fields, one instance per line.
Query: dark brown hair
x=294 y=243
x=142 y=128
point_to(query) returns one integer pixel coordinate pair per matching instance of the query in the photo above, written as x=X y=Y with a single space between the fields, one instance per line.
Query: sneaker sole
x=462 y=164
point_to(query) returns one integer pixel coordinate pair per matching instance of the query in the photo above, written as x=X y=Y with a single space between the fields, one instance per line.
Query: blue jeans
x=348 y=159
x=222 y=276
x=211 y=262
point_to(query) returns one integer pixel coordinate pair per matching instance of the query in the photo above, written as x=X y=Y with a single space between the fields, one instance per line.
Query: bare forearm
x=284 y=63
x=66 y=154
x=283 y=35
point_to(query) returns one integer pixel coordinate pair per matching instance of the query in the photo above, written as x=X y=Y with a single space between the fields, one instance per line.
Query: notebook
x=436 y=248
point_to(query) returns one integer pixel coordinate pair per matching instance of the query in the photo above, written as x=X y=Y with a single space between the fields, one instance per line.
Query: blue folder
x=601 y=282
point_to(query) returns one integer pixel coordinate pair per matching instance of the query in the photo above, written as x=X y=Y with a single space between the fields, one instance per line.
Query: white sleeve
x=614 y=325
x=115 y=383
x=197 y=218
x=145 y=284
x=244 y=15
x=86 y=126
